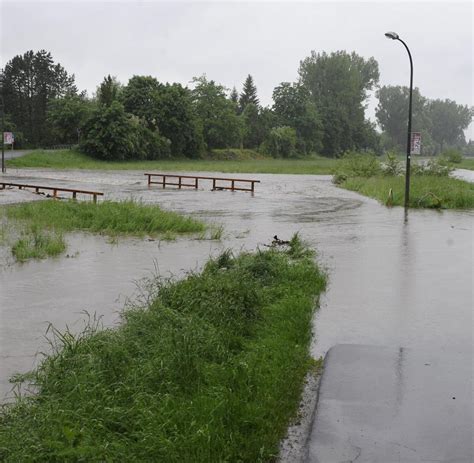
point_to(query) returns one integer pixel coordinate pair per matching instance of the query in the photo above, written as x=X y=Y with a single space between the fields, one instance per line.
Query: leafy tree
x=249 y=94
x=67 y=115
x=221 y=127
x=29 y=83
x=448 y=122
x=112 y=134
x=168 y=109
x=281 y=142
x=140 y=97
x=293 y=107
x=108 y=91
x=392 y=115
x=338 y=84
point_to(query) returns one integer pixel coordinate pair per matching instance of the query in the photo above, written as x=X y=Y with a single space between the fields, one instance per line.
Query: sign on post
x=415 y=143
x=8 y=138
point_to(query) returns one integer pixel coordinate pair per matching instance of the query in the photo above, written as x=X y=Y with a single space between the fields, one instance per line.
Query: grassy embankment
x=46 y=221
x=211 y=370
x=430 y=185
x=70 y=159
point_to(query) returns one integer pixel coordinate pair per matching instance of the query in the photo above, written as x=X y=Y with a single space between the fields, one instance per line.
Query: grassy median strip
x=430 y=183
x=425 y=192
x=70 y=159
x=211 y=369
x=108 y=217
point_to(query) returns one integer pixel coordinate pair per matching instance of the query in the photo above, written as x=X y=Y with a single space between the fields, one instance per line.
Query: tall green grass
x=127 y=217
x=70 y=159
x=425 y=191
x=210 y=370
x=38 y=244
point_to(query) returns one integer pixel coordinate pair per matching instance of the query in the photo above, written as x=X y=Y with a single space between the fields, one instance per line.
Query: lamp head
x=391 y=35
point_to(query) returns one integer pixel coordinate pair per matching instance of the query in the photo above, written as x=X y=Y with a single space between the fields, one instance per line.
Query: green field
x=70 y=159
x=211 y=370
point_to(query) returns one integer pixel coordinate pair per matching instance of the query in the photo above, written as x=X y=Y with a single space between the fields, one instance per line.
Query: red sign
x=415 y=143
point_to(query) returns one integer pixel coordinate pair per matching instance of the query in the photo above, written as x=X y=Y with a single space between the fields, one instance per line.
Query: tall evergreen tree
x=234 y=96
x=249 y=94
x=30 y=82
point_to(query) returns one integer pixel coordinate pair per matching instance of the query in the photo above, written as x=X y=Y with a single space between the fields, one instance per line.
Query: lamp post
x=394 y=36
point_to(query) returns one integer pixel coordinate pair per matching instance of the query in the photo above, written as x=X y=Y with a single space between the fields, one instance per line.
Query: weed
x=37 y=244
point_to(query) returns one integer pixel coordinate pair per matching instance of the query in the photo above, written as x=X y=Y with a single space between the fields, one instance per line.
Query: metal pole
x=407 y=174
x=3 y=141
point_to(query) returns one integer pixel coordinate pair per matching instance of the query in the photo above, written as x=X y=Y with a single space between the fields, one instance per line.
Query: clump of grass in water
x=37 y=244
x=112 y=218
x=211 y=369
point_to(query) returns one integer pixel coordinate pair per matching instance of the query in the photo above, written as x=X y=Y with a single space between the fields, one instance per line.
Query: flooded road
x=394 y=280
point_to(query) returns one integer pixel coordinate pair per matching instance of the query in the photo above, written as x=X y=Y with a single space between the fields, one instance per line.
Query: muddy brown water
x=394 y=279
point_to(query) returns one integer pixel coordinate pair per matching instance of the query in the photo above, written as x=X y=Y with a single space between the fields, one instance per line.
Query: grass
x=425 y=191
x=37 y=244
x=111 y=218
x=211 y=369
x=466 y=163
x=70 y=159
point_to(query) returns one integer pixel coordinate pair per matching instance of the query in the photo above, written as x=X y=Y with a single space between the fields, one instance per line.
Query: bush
x=113 y=135
x=281 y=142
x=452 y=155
x=392 y=166
x=354 y=164
x=434 y=167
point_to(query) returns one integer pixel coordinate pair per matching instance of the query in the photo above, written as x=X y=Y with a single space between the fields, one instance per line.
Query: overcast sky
x=175 y=41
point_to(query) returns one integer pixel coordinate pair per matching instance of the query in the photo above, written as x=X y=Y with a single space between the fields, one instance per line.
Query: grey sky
x=175 y=41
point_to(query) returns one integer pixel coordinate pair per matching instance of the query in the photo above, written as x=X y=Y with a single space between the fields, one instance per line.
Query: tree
x=221 y=127
x=234 y=96
x=338 y=84
x=67 y=115
x=392 y=115
x=249 y=94
x=112 y=134
x=168 y=109
x=108 y=91
x=293 y=107
x=448 y=122
x=281 y=142
x=30 y=82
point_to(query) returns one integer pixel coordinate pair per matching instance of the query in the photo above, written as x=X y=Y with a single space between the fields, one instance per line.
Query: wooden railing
x=233 y=184
x=54 y=189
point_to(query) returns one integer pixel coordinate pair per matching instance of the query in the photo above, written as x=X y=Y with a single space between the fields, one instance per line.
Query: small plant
x=392 y=166
x=37 y=244
x=434 y=167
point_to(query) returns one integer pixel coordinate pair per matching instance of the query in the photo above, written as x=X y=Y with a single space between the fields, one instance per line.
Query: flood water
x=394 y=279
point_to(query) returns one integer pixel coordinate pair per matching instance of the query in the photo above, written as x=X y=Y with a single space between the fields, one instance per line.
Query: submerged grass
x=38 y=244
x=210 y=370
x=70 y=159
x=112 y=218
x=425 y=191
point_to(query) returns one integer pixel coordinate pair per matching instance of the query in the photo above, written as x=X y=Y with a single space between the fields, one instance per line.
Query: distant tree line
x=322 y=112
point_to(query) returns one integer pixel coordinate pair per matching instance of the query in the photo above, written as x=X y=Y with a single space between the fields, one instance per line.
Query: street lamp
x=394 y=36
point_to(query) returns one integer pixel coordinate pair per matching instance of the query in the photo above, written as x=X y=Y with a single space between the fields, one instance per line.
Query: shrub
x=392 y=166
x=452 y=155
x=434 y=167
x=354 y=164
x=113 y=135
x=281 y=142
